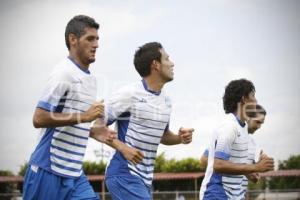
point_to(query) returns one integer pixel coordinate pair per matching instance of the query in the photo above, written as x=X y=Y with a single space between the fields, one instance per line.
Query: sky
x=210 y=42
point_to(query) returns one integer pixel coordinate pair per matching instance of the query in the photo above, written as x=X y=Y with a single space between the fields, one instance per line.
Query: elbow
x=36 y=122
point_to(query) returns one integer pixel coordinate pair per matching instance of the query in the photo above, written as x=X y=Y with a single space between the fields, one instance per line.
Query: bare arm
x=133 y=155
x=227 y=167
x=184 y=136
x=203 y=161
x=46 y=119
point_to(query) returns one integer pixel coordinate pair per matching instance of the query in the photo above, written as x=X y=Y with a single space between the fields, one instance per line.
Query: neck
x=153 y=84
x=240 y=115
x=81 y=64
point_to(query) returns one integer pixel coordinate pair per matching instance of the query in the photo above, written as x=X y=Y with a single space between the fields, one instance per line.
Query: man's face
x=166 y=68
x=256 y=122
x=86 y=46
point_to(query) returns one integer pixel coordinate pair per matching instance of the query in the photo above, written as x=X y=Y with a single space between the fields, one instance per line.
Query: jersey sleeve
x=55 y=91
x=118 y=105
x=224 y=142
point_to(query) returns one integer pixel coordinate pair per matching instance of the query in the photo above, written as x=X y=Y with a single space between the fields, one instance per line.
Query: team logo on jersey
x=142 y=100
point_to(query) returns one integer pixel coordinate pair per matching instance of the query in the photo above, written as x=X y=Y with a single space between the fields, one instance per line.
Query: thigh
x=83 y=189
x=124 y=188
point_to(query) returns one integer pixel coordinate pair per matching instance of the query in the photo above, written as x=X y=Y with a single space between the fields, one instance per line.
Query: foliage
x=94 y=168
x=23 y=169
x=293 y=162
x=185 y=165
x=6 y=187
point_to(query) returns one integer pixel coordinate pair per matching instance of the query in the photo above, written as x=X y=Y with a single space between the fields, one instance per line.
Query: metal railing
x=293 y=194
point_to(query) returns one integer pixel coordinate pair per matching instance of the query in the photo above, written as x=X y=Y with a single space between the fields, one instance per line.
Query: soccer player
x=64 y=112
x=254 y=123
x=228 y=152
x=141 y=112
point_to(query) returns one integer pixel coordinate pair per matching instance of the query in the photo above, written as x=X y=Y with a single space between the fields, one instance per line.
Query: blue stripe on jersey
x=239 y=150
x=144 y=133
x=147 y=150
x=71 y=134
x=205 y=153
x=123 y=126
x=66 y=150
x=71 y=143
x=239 y=156
x=155 y=113
x=149 y=158
x=46 y=106
x=222 y=155
x=144 y=177
x=144 y=171
x=146 y=165
x=150 y=119
x=147 y=126
x=64 y=167
x=142 y=141
x=61 y=103
x=78 y=127
x=74 y=109
x=66 y=159
x=68 y=99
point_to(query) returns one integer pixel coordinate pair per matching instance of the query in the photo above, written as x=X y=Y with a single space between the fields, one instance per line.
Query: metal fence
x=194 y=195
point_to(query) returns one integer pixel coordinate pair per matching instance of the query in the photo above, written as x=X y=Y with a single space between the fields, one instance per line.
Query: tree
x=293 y=162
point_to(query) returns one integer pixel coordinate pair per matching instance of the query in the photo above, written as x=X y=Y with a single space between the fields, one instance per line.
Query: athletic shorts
x=41 y=184
x=127 y=188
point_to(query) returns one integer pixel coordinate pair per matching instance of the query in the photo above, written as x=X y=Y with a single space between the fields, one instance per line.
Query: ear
x=155 y=65
x=72 y=39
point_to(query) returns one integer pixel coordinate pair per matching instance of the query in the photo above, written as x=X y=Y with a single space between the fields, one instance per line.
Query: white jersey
x=230 y=143
x=250 y=159
x=141 y=118
x=61 y=149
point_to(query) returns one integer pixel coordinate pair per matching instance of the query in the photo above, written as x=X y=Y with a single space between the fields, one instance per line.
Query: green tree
x=7 y=187
x=293 y=162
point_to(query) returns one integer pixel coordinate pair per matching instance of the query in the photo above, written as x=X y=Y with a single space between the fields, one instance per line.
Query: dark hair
x=77 y=25
x=253 y=112
x=260 y=110
x=234 y=92
x=145 y=55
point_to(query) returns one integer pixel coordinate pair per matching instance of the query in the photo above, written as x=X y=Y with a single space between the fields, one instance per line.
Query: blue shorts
x=127 y=187
x=41 y=184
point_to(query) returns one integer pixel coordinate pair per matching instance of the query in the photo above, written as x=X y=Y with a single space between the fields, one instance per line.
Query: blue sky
x=210 y=42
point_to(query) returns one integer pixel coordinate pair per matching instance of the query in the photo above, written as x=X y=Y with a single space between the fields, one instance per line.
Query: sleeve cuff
x=46 y=106
x=222 y=155
x=205 y=153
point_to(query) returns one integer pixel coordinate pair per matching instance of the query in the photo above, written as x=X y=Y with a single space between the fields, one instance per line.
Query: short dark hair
x=77 y=25
x=145 y=55
x=260 y=110
x=252 y=113
x=234 y=92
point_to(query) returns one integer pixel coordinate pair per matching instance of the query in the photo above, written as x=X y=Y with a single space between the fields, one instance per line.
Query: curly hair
x=77 y=25
x=234 y=92
x=145 y=55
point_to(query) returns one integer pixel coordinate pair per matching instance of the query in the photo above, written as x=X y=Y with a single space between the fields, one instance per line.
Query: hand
x=262 y=155
x=103 y=134
x=254 y=177
x=265 y=164
x=133 y=155
x=95 y=111
x=186 y=135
